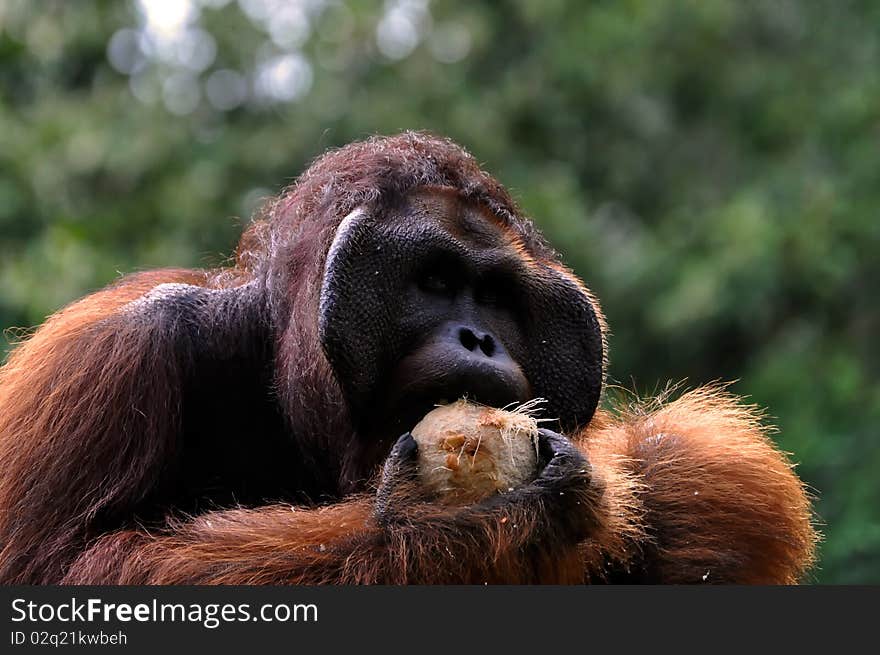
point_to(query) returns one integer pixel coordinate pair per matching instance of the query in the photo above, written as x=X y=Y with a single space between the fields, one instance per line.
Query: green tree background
x=711 y=169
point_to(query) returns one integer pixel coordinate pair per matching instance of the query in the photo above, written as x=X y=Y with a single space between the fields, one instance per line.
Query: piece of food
x=468 y=452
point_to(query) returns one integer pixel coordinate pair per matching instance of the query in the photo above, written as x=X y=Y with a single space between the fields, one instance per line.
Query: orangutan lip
x=491 y=390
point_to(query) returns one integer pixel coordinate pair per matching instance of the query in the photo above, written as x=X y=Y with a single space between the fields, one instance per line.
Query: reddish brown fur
x=713 y=500
x=88 y=416
x=710 y=501
x=337 y=544
x=47 y=421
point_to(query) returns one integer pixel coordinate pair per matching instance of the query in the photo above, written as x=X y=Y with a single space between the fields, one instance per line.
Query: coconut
x=468 y=452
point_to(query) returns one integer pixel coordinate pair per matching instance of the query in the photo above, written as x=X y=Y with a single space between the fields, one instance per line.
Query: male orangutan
x=244 y=425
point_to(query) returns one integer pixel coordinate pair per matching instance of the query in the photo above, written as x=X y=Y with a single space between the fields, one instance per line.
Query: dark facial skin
x=468 y=337
x=434 y=300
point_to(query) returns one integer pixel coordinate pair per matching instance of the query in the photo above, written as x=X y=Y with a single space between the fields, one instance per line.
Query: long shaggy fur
x=715 y=501
x=90 y=421
x=692 y=491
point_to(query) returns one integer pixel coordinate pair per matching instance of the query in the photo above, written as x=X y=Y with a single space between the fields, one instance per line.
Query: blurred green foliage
x=711 y=169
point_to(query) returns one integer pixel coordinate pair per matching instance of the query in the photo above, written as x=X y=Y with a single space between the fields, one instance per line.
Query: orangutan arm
x=697 y=493
x=398 y=537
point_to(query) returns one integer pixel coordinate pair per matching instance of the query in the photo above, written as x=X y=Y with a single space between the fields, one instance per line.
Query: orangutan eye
x=496 y=291
x=436 y=282
x=488 y=296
